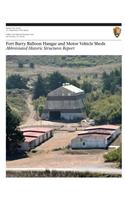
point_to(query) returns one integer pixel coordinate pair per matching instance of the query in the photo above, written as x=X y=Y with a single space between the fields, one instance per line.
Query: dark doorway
x=54 y=115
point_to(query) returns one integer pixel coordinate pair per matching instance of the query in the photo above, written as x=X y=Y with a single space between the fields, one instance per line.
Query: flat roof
x=98 y=131
x=37 y=129
x=33 y=134
x=73 y=88
x=107 y=126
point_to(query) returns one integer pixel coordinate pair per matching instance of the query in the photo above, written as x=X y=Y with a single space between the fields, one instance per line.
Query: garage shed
x=96 y=137
x=34 y=136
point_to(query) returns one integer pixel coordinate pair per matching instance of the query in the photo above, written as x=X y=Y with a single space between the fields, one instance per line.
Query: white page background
x=56 y=188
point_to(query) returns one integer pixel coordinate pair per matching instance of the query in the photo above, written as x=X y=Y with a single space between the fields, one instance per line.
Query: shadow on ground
x=16 y=156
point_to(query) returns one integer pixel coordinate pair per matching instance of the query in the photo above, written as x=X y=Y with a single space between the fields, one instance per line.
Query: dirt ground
x=54 y=154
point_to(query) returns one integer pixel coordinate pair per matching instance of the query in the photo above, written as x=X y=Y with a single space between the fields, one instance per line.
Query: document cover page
x=63 y=100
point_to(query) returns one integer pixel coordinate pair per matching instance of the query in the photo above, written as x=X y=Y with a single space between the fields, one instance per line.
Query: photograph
x=63 y=115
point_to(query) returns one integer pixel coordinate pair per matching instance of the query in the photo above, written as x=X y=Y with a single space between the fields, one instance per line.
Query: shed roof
x=107 y=126
x=98 y=131
x=65 y=90
x=72 y=88
x=37 y=129
x=32 y=134
x=95 y=136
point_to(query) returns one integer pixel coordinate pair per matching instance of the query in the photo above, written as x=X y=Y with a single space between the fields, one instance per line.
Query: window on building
x=83 y=143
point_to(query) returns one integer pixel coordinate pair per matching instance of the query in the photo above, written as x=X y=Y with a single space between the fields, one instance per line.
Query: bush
x=20 y=65
x=17 y=99
x=32 y=65
x=55 y=80
x=106 y=110
x=39 y=87
x=13 y=135
x=112 y=81
x=16 y=81
x=87 y=86
x=39 y=105
x=114 y=156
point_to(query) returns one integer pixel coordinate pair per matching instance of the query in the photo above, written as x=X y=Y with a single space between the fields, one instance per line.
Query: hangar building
x=65 y=103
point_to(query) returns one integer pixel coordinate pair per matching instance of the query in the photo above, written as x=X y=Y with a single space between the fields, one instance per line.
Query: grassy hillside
x=17 y=100
x=83 y=70
x=45 y=65
x=62 y=61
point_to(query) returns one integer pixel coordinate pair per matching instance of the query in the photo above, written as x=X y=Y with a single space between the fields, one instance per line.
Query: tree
x=39 y=105
x=39 y=88
x=112 y=81
x=20 y=65
x=78 y=77
x=16 y=81
x=74 y=82
x=56 y=80
x=87 y=86
x=13 y=135
x=32 y=65
x=40 y=109
x=107 y=110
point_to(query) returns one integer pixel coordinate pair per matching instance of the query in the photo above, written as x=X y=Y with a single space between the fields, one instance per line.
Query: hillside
x=63 y=61
x=45 y=65
x=99 y=79
x=17 y=100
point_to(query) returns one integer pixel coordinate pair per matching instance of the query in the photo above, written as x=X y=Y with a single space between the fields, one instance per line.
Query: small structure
x=65 y=103
x=34 y=136
x=38 y=137
x=95 y=137
x=28 y=144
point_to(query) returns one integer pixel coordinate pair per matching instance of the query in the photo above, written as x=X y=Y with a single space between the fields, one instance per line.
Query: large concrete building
x=96 y=137
x=65 y=103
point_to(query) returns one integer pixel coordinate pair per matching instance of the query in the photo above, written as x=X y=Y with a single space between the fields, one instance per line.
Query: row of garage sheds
x=96 y=137
x=35 y=136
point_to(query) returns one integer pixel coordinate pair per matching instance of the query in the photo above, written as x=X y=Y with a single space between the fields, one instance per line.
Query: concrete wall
x=26 y=146
x=67 y=116
x=37 y=141
x=69 y=109
x=41 y=139
x=72 y=116
x=114 y=135
x=64 y=104
x=79 y=143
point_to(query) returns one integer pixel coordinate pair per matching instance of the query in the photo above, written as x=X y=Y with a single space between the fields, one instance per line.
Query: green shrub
x=17 y=99
x=106 y=110
x=114 y=156
x=16 y=81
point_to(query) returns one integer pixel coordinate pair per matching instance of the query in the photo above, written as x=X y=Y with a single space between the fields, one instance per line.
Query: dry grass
x=66 y=71
x=54 y=173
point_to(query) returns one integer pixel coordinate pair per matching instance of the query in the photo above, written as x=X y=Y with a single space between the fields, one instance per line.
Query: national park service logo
x=117 y=31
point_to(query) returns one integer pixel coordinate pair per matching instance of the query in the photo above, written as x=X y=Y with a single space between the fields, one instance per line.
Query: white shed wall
x=79 y=143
